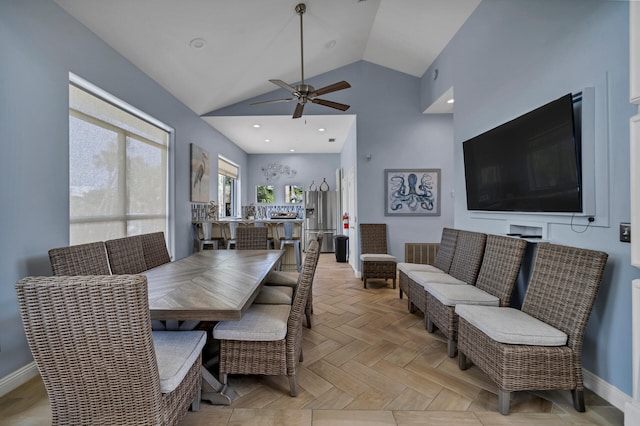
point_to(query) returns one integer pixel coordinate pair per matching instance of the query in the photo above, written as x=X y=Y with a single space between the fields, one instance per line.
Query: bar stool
x=289 y=233
x=202 y=236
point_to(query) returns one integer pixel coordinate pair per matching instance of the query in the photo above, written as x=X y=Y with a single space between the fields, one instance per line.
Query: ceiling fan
x=304 y=93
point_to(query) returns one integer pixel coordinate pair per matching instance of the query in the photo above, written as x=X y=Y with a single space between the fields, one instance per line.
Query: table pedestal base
x=214 y=391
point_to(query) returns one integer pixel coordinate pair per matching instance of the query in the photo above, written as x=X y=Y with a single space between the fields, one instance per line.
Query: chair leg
x=394 y=283
x=223 y=378
x=504 y=402
x=308 y=317
x=428 y=324
x=365 y=281
x=410 y=306
x=578 y=400
x=301 y=358
x=400 y=294
x=293 y=386
x=452 y=348
x=195 y=404
x=462 y=361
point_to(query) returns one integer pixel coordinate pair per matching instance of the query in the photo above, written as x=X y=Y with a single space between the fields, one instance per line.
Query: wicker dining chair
x=465 y=267
x=444 y=256
x=251 y=238
x=496 y=281
x=375 y=260
x=126 y=255
x=290 y=279
x=275 y=289
x=91 y=339
x=154 y=249
x=268 y=338
x=81 y=259
x=538 y=347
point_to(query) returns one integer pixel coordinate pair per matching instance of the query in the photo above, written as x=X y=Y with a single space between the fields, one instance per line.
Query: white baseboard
x=17 y=378
x=606 y=391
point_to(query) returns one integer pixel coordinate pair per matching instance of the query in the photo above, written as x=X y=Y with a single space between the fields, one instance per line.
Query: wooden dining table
x=211 y=285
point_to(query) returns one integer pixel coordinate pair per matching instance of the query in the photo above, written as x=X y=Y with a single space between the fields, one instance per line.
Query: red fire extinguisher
x=345 y=221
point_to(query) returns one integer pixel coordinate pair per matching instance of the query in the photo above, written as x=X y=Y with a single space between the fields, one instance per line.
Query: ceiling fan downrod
x=301 y=8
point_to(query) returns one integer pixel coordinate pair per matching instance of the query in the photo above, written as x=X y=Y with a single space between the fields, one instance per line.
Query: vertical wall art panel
x=200 y=175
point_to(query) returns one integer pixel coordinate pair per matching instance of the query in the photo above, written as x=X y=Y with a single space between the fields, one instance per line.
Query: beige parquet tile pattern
x=367 y=361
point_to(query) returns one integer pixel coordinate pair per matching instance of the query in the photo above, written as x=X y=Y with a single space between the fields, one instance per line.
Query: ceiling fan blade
x=284 y=85
x=298 y=111
x=336 y=105
x=331 y=88
x=273 y=101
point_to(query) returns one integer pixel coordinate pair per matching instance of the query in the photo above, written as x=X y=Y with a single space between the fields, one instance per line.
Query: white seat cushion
x=260 y=323
x=377 y=257
x=409 y=267
x=422 y=277
x=176 y=351
x=275 y=295
x=511 y=326
x=452 y=295
x=282 y=278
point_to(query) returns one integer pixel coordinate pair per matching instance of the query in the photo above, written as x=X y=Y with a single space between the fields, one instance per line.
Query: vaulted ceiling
x=213 y=53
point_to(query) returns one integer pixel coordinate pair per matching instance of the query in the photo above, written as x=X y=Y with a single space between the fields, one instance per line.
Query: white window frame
x=170 y=173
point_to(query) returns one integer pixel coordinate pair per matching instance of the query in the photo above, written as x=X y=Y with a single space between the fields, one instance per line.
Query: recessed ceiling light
x=450 y=101
x=256 y=126
x=321 y=129
x=292 y=150
x=198 y=43
x=267 y=140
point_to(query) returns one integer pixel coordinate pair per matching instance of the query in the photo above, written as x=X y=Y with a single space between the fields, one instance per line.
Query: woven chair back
x=500 y=266
x=91 y=340
x=563 y=287
x=305 y=280
x=126 y=255
x=154 y=248
x=447 y=249
x=81 y=259
x=468 y=256
x=373 y=238
x=251 y=238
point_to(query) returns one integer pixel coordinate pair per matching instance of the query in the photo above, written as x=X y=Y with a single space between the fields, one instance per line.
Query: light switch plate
x=625 y=232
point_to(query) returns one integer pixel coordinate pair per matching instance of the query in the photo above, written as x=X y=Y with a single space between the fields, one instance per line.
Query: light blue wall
x=512 y=56
x=392 y=130
x=308 y=168
x=39 y=45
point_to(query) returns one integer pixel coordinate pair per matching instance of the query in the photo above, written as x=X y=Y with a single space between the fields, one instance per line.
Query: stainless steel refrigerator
x=321 y=216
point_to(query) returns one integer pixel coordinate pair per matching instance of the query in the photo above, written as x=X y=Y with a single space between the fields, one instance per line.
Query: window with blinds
x=227 y=188
x=118 y=171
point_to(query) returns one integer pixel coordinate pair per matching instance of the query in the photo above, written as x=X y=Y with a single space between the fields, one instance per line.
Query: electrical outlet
x=625 y=232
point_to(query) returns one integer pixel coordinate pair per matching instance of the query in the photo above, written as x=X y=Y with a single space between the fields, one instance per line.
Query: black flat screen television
x=529 y=164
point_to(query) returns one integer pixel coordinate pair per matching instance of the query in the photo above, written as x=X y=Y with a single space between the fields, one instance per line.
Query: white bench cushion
x=282 y=278
x=260 y=323
x=422 y=277
x=511 y=326
x=409 y=267
x=377 y=257
x=275 y=295
x=452 y=295
x=176 y=351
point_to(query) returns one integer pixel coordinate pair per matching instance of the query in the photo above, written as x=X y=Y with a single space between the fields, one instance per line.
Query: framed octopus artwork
x=412 y=192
